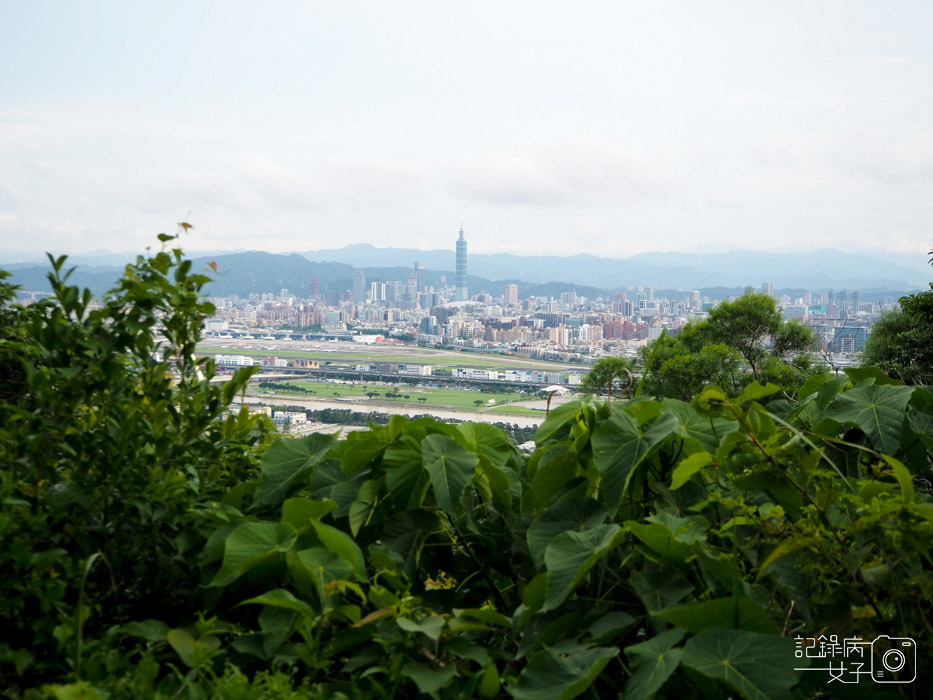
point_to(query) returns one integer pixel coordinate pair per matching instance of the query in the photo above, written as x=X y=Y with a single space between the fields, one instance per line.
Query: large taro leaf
x=364 y=446
x=660 y=589
x=299 y=512
x=250 y=544
x=620 y=445
x=404 y=534
x=487 y=439
x=494 y=450
x=429 y=680
x=922 y=425
x=875 y=374
x=323 y=567
x=406 y=478
x=692 y=426
x=557 y=420
x=287 y=463
x=450 y=467
x=668 y=538
x=813 y=384
x=363 y=505
x=550 y=675
x=655 y=661
x=557 y=465
x=329 y=481
x=571 y=555
x=740 y=613
x=756 y=665
x=341 y=544
x=575 y=514
x=877 y=410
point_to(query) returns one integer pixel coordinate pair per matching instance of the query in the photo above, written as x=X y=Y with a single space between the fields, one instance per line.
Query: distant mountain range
x=243 y=273
x=818 y=269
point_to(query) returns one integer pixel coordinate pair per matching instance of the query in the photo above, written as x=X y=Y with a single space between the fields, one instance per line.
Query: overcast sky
x=545 y=127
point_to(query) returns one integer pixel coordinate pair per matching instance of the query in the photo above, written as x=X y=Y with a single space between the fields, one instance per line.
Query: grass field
x=453 y=398
x=427 y=356
x=516 y=411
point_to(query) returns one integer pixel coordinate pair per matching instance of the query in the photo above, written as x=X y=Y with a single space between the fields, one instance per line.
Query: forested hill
x=258 y=272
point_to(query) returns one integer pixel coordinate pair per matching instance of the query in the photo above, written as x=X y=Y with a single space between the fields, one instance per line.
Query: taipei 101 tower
x=461 y=293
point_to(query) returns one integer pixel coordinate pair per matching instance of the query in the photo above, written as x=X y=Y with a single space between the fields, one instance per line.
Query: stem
x=479 y=566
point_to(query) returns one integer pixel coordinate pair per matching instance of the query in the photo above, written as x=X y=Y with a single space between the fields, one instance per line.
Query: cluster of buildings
x=568 y=327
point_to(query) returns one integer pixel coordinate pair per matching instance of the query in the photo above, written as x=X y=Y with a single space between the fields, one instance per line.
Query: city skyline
x=606 y=128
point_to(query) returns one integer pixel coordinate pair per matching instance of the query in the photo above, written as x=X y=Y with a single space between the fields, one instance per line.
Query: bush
x=661 y=547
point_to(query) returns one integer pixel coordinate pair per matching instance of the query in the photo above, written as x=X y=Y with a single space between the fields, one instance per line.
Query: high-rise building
x=359 y=286
x=767 y=288
x=462 y=294
x=511 y=294
x=421 y=277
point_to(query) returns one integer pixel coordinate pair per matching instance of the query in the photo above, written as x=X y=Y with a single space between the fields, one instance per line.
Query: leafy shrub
x=661 y=547
x=113 y=445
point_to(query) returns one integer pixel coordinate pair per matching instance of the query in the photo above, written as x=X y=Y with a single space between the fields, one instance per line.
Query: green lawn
x=455 y=398
x=426 y=356
x=516 y=410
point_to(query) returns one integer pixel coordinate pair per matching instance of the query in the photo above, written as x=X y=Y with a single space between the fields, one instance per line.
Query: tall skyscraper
x=421 y=277
x=511 y=294
x=359 y=286
x=462 y=293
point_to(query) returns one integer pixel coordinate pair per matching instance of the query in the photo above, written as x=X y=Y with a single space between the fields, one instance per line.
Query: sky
x=542 y=127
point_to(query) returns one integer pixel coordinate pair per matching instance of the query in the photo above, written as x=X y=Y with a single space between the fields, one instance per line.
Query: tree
x=747 y=324
x=901 y=343
x=680 y=373
x=745 y=335
x=607 y=374
x=112 y=441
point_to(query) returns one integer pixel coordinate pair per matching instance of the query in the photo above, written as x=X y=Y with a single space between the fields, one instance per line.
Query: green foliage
x=661 y=548
x=113 y=445
x=901 y=343
x=741 y=342
x=608 y=374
